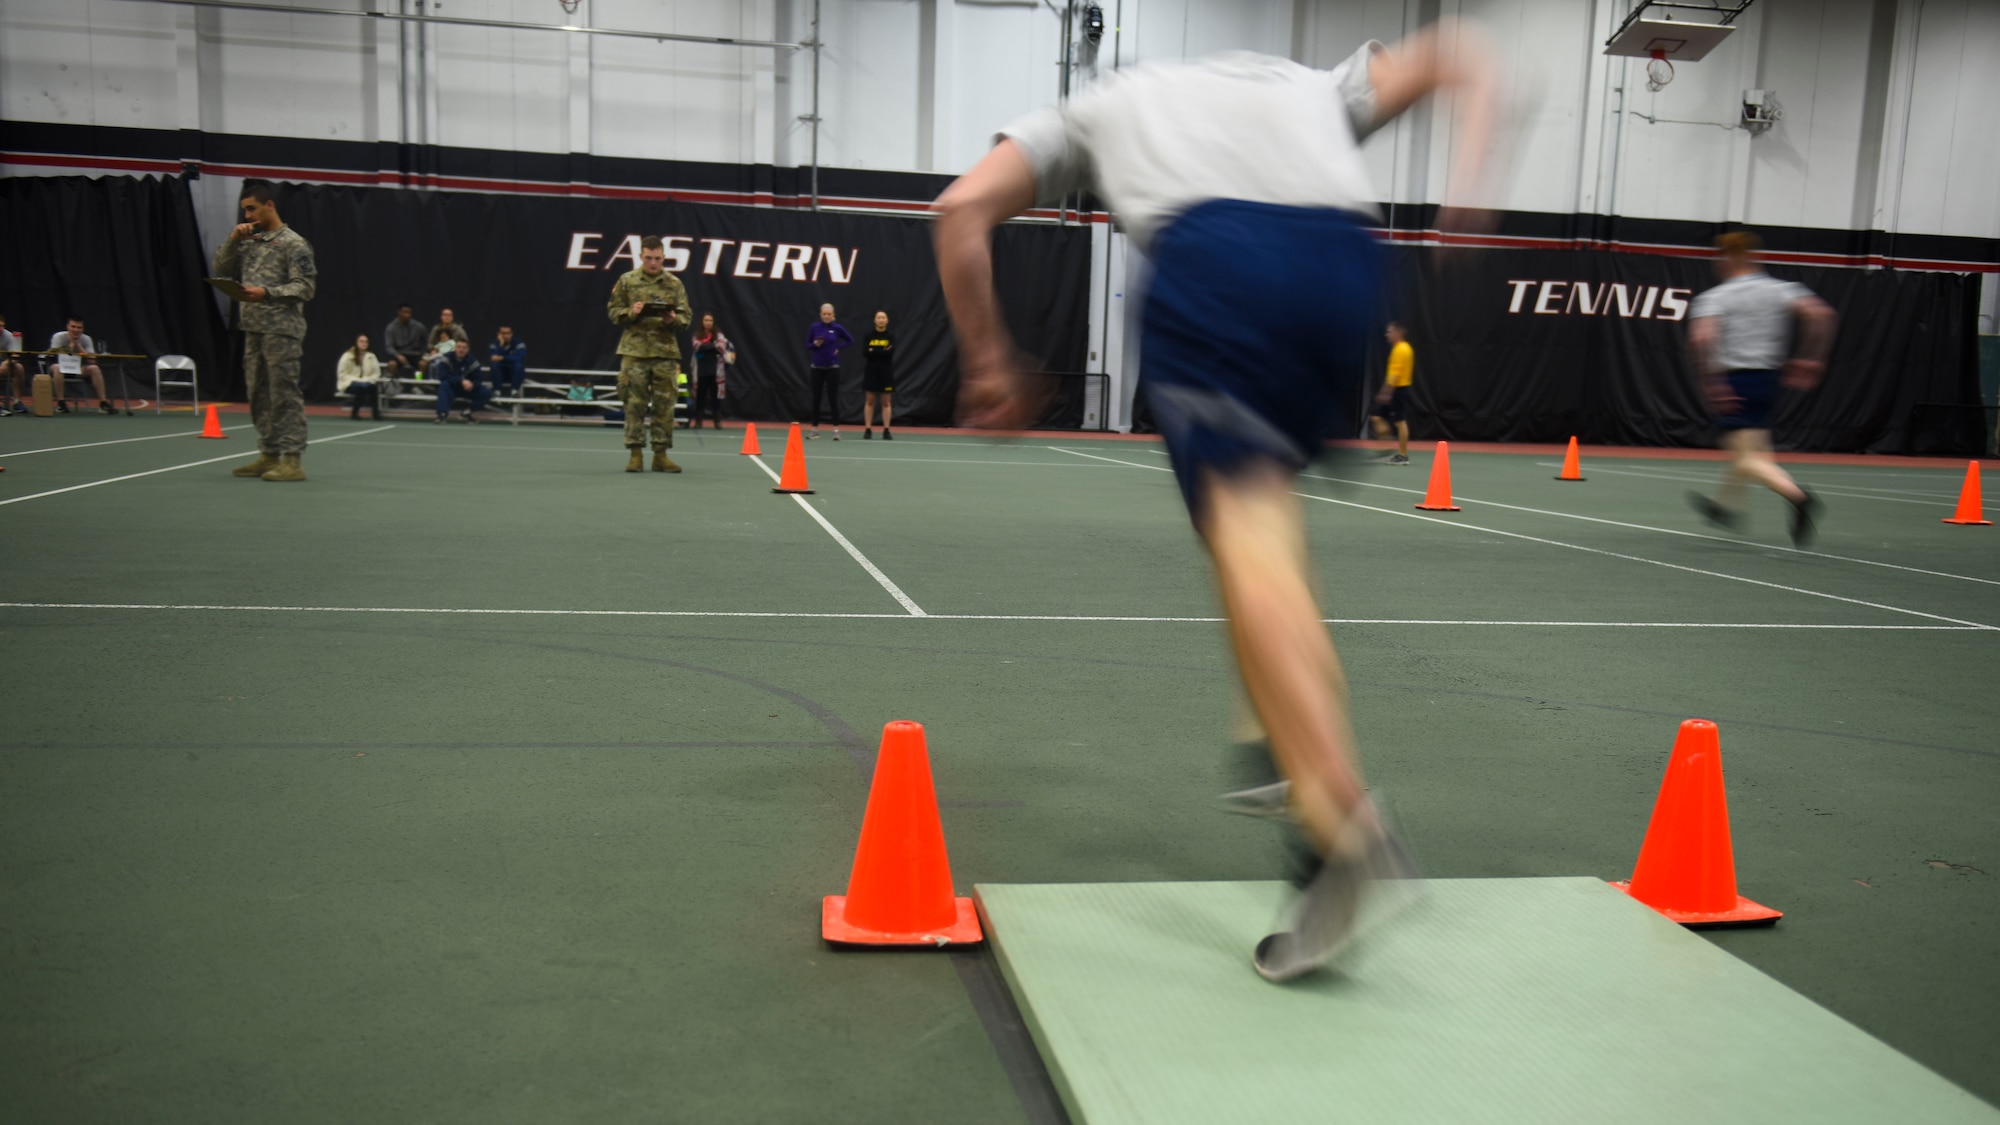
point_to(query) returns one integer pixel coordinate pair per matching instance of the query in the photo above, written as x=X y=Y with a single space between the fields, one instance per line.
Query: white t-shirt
x=1756 y=314
x=9 y=341
x=1157 y=139
x=84 y=344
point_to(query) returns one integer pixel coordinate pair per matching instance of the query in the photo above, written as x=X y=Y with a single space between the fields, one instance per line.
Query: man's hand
x=998 y=395
x=466 y=384
x=495 y=357
x=638 y=307
x=1803 y=374
x=242 y=231
x=253 y=292
x=1384 y=395
x=1721 y=396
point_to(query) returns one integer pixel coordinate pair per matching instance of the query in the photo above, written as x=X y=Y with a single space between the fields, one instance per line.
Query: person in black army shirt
x=649 y=352
x=878 y=381
x=274 y=264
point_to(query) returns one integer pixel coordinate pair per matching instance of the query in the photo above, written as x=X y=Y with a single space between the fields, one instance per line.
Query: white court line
x=1819 y=490
x=118 y=441
x=237 y=456
x=895 y=591
x=1661 y=530
x=1594 y=551
x=1085 y=618
x=1820 y=472
x=682 y=452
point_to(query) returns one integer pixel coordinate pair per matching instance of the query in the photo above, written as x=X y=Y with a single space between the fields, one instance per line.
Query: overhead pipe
x=462 y=21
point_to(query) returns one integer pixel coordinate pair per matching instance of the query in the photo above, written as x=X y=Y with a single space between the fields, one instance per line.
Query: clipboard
x=656 y=308
x=230 y=287
x=69 y=364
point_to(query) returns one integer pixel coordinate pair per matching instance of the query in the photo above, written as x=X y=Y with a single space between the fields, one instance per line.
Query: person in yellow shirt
x=1392 y=402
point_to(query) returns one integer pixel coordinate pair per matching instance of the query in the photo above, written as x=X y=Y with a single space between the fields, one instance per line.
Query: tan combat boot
x=263 y=464
x=287 y=469
x=663 y=463
x=637 y=462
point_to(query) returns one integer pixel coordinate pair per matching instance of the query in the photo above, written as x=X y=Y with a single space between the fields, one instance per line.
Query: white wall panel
x=1912 y=151
x=290 y=76
x=96 y=62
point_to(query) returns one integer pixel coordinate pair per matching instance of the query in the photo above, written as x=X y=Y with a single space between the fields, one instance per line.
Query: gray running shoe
x=1266 y=801
x=1398 y=459
x=1341 y=900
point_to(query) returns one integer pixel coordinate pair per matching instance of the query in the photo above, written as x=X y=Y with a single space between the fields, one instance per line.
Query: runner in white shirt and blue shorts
x=1240 y=177
x=1742 y=335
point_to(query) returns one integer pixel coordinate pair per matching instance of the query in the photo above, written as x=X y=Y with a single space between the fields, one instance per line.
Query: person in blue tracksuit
x=508 y=360
x=461 y=378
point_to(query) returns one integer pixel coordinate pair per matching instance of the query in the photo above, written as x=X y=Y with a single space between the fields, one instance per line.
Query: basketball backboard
x=1672 y=39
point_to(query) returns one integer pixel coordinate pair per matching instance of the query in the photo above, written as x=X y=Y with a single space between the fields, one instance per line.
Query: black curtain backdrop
x=1520 y=345
x=124 y=254
x=516 y=260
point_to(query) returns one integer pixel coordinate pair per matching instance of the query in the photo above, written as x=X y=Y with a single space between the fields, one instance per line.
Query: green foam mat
x=1490 y=1000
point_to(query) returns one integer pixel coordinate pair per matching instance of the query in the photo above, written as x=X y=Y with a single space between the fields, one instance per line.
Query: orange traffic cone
x=1686 y=869
x=792 y=478
x=1572 y=470
x=1969 y=507
x=900 y=890
x=1438 y=497
x=212 y=427
x=750 y=440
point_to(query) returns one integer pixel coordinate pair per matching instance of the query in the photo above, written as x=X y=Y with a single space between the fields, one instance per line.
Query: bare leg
x=96 y=377
x=1381 y=427
x=868 y=410
x=885 y=409
x=1403 y=438
x=1753 y=461
x=1255 y=532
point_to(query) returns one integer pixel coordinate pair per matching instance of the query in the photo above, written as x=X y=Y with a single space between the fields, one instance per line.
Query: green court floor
x=477 y=780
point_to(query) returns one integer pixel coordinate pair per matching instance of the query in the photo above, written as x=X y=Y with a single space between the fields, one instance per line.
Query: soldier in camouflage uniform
x=274 y=263
x=649 y=353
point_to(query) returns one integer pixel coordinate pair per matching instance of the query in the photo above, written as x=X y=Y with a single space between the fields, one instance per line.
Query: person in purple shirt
x=826 y=338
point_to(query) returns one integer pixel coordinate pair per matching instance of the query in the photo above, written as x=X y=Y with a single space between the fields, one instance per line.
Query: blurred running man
x=1739 y=333
x=1240 y=176
x=1393 y=400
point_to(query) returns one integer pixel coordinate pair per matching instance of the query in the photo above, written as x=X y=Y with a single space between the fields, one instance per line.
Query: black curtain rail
x=573 y=29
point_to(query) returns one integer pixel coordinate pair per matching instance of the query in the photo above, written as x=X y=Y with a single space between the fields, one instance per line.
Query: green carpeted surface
x=331 y=862
x=1490 y=1000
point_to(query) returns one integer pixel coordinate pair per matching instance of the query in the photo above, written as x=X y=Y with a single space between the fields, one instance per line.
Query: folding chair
x=176 y=364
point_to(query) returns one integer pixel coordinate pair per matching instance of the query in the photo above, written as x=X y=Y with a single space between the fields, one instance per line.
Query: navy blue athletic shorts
x=1254 y=335
x=1757 y=393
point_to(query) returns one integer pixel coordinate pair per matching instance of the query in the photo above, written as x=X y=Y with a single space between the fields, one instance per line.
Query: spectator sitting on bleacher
x=10 y=366
x=74 y=342
x=509 y=360
x=460 y=376
x=448 y=331
x=405 y=342
x=360 y=374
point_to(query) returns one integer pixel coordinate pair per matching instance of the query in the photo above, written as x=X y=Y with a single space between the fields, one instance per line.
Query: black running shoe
x=886 y=435
x=1714 y=513
x=1802 y=520
x=106 y=407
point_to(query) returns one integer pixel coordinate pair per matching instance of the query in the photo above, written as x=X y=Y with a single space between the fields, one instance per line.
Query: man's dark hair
x=404 y=305
x=67 y=319
x=259 y=190
x=652 y=242
x=1399 y=326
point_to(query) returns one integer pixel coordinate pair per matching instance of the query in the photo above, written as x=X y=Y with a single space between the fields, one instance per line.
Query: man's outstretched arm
x=999 y=187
